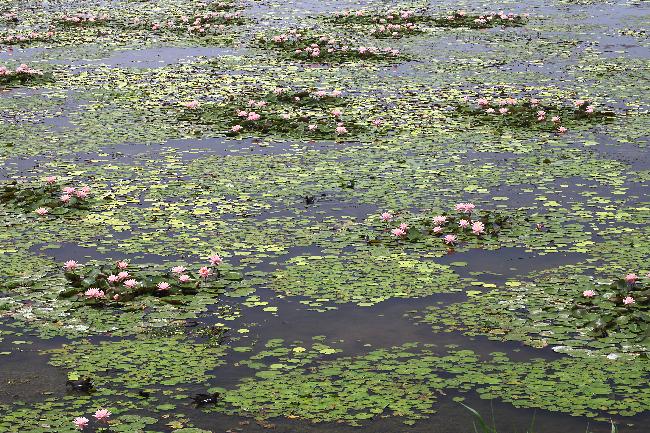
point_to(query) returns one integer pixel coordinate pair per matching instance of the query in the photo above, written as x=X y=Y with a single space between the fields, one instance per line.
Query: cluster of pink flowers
x=101 y=415
x=83 y=18
x=467 y=208
x=23 y=69
x=395 y=30
x=400 y=231
x=199 y=24
x=486 y=18
x=328 y=45
x=26 y=38
x=70 y=192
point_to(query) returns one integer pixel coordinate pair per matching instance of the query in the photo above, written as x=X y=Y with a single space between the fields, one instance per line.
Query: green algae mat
x=253 y=215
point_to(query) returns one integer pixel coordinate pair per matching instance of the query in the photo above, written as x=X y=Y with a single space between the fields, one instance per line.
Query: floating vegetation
x=46 y=199
x=118 y=283
x=313 y=114
x=303 y=44
x=460 y=18
x=389 y=24
x=23 y=74
x=532 y=113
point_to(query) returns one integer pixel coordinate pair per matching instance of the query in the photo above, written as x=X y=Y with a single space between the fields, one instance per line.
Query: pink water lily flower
x=131 y=284
x=81 y=422
x=236 y=128
x=253 y=116
x=629 y=301
x=465 y=207
x=437 y=229
x=192 y=105
x=215 y=259
x=562 y=130
x=341 y=130
x=312 y=127
x=93 y=293
x=184 y=278
x=404 y=226
x=163 y=286
x=631 y=278
x=450 y=239
x=482 y=102
x=588 y=293
x=178 y=269
x=81 y=194
x=102 y=415
x=122 y=264
x=336 y=112
x=478 y=227
x=397 y=232
x=386 y=217
x=439 y=220
x=123 y=275
x=65 y=198
x=70 y=265
x=113 y=279
x=205 y=272
x=42 y=211
x=50 y=180
x=463 y=224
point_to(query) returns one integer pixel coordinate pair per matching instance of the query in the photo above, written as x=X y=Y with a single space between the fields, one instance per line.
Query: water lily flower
x=50 y=180
x=590 y=109
x=102 y=415
x=463 y=224
x=93 y=293
x=579 y=103
x=163 y=286
x=242 y=113
x=42 y=211
x=588 y=293
x=70 y=265
x=478 y=227
x=555 y=119
x=312 y=127
x=629 y=301
x=631 y=278
x=465 y=207
x=253 y=116
x=503 y=110
x=178 y=269
x=404 y=226
x=65 y=198
x=386 y=217
x=205 y=272
x=341 y=130
x=113 y=279
x=184 y=278
x=437 y=229
x=336 y=112
x=490 y=110
x=482 y=102
x=81 y=422
x=377 y=122
x=450 y=239
x=81 y=194
x=215 y=260
x=562 y=130
x=131 y=284
x=236 y=128
x=192 y=105
x=398 y=232
x=439 y=220
x=122 y=264
x=123 y=275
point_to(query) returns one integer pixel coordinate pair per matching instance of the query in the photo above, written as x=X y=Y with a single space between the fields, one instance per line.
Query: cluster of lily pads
x=389 y=24
x=44 y=199
x=84 y=19
x=531 y=113
x=605 y=308
x=206 y=23
x=303 y=44
x=119 y=283
x=460 y=18
x=306 y=113
x=21 y=75
x=25 y=38
x=452 y=229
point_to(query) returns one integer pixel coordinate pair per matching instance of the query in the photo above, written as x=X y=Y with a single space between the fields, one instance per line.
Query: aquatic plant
x=303 y=44
x=122 y=282
x=49 y=198
x=460 y=18
x=23 y=74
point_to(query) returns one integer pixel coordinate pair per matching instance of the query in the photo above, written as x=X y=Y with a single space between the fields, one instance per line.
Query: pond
x=355 y=216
